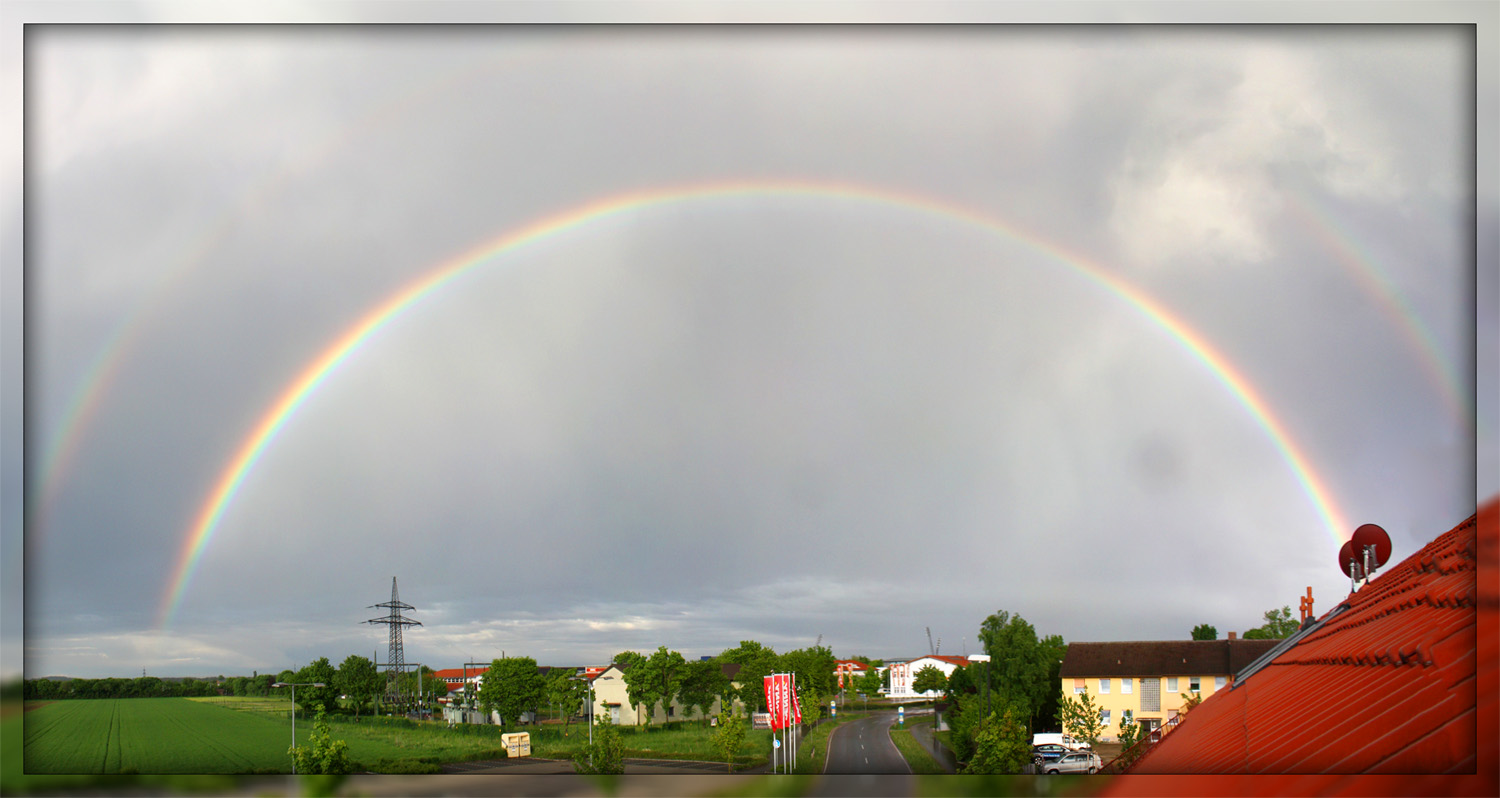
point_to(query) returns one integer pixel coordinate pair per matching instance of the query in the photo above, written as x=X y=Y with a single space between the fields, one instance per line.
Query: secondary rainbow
x=275 y=419
x=1366 y=270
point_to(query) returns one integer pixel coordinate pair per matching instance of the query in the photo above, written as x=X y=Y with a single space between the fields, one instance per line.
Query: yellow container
x=516 y=744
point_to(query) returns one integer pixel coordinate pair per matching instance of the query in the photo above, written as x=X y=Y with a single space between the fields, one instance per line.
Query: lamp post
x=591 y=714
x=985 y=658
x=294 y=686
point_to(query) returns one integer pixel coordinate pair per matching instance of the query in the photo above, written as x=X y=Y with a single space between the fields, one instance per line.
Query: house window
x=1103 y=687
x=1193 y=684
x=1171 y=684
x=1127 y=686
x=1080 y=685
x=1218 y=683
x=1104 y=716
x=1171 y=714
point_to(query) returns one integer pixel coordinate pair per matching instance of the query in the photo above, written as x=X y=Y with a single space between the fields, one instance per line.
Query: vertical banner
x=776 y=700
x=796 y=704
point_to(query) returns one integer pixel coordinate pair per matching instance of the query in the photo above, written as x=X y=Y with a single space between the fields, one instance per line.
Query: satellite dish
x=1347 y=560
x=1373 y=535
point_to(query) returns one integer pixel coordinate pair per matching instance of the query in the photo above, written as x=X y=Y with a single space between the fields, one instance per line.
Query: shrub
x=606 y=755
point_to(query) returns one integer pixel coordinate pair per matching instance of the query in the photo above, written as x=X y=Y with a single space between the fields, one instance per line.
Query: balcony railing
x=1131 y=755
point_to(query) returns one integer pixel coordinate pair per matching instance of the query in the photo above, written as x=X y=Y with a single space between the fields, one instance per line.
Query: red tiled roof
x=458 y=673
x=951 y=660
x=1396 y=683
x=1161 y=657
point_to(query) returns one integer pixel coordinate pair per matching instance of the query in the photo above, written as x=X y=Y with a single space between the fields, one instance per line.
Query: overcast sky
x=771 y=415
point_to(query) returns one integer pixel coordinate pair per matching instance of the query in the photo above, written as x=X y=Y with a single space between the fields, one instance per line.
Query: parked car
x=1048 y=752
x=1075 y=762
x=1065 y=740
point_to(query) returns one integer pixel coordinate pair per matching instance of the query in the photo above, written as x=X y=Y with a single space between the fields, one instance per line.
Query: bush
x=323 y=754
x=1000 y=745
x=606 y=755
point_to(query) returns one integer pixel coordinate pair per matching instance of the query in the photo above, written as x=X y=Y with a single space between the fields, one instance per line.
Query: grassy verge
x=916 y=756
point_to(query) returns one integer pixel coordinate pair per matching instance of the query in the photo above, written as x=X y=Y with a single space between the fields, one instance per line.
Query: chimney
x=1231 y=635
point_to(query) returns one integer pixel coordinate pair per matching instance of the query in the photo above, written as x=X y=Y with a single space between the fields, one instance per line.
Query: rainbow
x=1367 y=272
x=274 y=420
x=84 y=401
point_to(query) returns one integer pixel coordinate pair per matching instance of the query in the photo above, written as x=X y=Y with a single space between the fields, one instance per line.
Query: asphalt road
x=864 y=746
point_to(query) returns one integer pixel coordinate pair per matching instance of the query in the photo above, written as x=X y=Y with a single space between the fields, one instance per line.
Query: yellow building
x=1148 y=679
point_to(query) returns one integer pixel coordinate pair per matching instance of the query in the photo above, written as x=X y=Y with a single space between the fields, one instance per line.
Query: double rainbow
x=322 y=367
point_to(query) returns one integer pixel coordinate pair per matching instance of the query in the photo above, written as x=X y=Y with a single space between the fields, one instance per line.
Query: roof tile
x=1383 y=698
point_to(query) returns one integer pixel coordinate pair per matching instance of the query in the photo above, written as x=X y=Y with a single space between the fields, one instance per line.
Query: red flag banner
x=771 y=701
x=796 y=705
x=776 y=701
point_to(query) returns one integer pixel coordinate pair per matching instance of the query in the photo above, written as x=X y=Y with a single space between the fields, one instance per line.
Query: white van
x=1064 y=740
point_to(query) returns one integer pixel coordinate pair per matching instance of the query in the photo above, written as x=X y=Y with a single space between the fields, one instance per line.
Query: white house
x=904 y=673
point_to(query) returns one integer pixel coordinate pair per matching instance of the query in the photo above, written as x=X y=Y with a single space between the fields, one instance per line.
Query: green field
x=251 y=735
x=167 y=735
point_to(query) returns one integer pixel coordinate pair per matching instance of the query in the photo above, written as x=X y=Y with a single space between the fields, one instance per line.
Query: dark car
x=1048 y=752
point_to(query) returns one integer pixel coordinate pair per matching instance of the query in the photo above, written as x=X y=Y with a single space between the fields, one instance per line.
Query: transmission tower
x=395 y=661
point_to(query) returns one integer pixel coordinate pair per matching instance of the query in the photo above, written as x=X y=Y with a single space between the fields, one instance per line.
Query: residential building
x=1150 y=678
x=903 y=672
x=849 y=669
x=612 y=699
x=1392 y=692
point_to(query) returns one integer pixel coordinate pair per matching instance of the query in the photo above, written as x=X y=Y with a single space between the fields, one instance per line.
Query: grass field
x=251 y=735
x=167 y=735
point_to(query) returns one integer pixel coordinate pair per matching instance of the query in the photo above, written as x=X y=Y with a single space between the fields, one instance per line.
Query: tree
x=729 y=736
x=654 y=679
x=703 y=681
x=1131 y=733
x=1001 y=745
x=960 y=682
x=1053 y=650
x=1080 y=717
x=813 y=668
x=1205 y=632
x=358 y=679
x=312 y=699
x=1019 y=667
x=929 y=678
x=322 y=754
x=756 y=662
x=568 y=692
x=1189 y=702
x=1278 y=625
x=510 y=687
x=871 y=682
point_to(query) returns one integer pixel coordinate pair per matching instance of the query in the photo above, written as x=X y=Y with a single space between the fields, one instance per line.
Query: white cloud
x=1199 y=185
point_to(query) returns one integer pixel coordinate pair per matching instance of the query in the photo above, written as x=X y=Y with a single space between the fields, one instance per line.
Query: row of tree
x=515 y=686
x=994 y=707
x=1278 y=625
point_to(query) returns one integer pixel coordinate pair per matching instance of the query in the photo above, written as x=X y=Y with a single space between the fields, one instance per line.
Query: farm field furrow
x=151 y=735
x=178 y=735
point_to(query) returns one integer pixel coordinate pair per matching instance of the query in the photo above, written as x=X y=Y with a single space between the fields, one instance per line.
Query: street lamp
x=294 y=686
x=590 y=683
x=985 y=658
